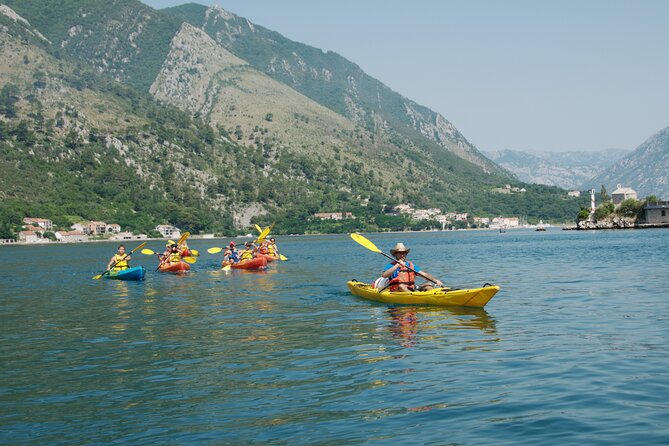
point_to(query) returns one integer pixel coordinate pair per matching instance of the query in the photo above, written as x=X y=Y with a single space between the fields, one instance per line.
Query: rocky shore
x=613 y=223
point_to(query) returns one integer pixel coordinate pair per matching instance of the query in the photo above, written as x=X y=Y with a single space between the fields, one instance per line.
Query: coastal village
x=37 y=230
x=41 y=230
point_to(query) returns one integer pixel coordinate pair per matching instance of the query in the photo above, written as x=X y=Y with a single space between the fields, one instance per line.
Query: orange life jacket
x=404 y=276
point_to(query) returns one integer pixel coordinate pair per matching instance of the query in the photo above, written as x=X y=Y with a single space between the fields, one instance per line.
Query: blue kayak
x=134 y=273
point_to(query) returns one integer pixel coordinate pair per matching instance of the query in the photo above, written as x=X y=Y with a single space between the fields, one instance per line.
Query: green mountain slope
x=124 y=38
x=240 y=145
x=332 y=81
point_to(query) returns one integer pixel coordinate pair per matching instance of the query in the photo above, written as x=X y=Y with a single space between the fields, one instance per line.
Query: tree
x=604 y=210
x=603 y=195
x=650 y=199
x=9 y=96
x=631 y=208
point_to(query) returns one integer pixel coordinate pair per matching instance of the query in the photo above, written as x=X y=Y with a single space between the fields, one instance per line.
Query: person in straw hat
x=402 y=273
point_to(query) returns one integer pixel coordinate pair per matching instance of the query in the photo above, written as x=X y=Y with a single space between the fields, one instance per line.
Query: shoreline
x=616 y=228
x=247 y=236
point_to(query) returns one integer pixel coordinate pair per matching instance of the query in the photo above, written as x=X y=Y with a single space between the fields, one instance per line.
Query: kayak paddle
x=99 y=276
x=214 y=250
x=372 y=247
x=263 y=235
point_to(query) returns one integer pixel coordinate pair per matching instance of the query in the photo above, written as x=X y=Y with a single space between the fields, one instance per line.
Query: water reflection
x=409 y=325
x=404 y=325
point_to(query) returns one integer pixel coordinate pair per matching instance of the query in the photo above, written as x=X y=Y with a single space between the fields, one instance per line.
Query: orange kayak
x=259 y=262
x=176 y=268
x=268 y=257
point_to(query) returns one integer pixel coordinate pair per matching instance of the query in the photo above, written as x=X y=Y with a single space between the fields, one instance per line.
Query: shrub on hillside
x=604 y=210
x=631 y=208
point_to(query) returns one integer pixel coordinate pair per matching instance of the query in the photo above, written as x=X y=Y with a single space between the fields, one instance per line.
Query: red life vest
x=405 y=276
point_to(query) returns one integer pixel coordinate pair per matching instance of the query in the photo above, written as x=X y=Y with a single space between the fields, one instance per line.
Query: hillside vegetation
x=85 y=138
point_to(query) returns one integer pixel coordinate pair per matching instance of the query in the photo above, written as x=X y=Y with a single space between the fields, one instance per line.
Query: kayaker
x=264 y=248
x=171 y=255
x=249 y=252
x=119 y=261
x=184 y=250
x=400 y=273
x=230 y=255
x=272 y=249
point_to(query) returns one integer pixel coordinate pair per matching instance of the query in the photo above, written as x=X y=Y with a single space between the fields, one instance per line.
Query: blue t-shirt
x=396 y=273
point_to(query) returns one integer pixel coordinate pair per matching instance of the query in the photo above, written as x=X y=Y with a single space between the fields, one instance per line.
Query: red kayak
x=176 y=268
x=259 y=262
x=268 y=257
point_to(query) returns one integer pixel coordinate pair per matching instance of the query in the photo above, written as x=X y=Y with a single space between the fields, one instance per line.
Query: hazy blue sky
x=523 y=74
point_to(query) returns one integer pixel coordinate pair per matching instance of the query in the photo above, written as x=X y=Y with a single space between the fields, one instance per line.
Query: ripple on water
x=571 y=351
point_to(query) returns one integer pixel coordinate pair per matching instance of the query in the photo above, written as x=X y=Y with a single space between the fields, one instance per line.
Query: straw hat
x=399 y=248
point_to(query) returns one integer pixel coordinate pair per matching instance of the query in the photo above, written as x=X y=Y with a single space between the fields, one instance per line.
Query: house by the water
x=657 y=213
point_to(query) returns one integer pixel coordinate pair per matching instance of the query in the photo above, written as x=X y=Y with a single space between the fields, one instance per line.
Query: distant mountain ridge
x=568 y=170
x=646 y=169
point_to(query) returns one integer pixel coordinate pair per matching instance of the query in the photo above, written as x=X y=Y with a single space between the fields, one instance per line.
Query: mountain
x=332 y=81
x=116 y=111
x=569 y=170
x=646 y=169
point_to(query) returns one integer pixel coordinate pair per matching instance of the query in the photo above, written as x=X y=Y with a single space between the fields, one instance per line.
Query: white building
x=421 y=214
x=621 y=194
x=504 y=222
x=43 y=223
x=29 y=237
x=128 y=236
x=574 y=193
x=404 y=209
x=113 y=228
x=83 y=227
x=71 y=236
x=168 y=231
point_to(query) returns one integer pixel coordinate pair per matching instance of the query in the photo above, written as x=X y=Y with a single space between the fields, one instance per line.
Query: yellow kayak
x=475 y=297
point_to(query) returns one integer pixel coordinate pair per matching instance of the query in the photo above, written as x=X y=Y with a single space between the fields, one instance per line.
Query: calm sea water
x=573 y=350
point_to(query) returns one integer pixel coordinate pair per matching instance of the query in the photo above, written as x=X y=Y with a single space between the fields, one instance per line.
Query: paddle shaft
x=407 y=267
x=182 y=239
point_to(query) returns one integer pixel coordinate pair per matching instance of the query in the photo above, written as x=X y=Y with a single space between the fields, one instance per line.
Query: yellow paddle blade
x=183 y=237
x=226 y=268
x=366 y=243
x=214 y=250
x=147 y=252
x=98 y=277
x=189 y=259
x=259 y=229
x=264 y=234
x=282 y=257
x=195 y=252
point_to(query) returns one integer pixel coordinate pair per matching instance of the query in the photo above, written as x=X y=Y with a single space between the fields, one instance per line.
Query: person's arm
x=431 y=277
x=390 y=271
x=111 y=262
